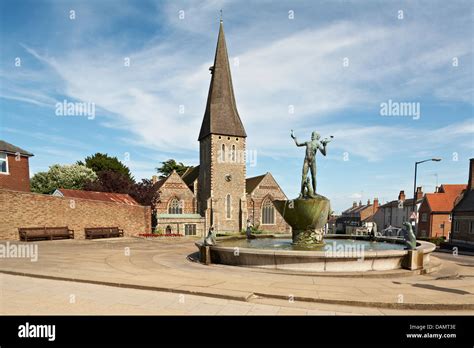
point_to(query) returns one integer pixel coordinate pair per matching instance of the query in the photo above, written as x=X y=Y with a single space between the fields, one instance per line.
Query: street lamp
x=414 y=184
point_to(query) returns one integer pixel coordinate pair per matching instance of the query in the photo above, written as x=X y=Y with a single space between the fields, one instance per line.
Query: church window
x=222 y=157
x=175 y=207
x=227 y=207
x=190 y=229
x=233 y=153
x=268 y=212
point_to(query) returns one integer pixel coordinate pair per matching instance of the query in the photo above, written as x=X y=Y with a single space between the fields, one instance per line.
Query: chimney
x=154 y=179
x=354 y=204
x=401 y=196
x=368 y=202
x=419 y=193
x=436 y=189
x=376 y=204
x=470 y=183
x=360 y=203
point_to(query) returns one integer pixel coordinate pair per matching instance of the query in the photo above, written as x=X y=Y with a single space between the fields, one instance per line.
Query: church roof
x=252 y=183
x=190 y=175
x=221 y=115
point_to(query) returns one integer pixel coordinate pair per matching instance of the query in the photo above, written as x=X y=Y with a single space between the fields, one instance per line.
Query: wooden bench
x=39 y=233
x=102 y=232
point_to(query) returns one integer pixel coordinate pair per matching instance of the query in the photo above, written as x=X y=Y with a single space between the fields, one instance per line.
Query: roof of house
x=356 y=209
x=252 y=183
x=465 y=202
x=221 y=115
x=453 y=188
x=395 y=203
x=444 y=201
x=10 y=148
x=99 y=196
x=190 y=175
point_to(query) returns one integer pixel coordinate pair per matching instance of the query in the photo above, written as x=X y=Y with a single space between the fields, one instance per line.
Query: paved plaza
x=152 y=277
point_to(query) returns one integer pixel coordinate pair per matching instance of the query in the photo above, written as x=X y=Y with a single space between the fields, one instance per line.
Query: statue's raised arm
x=296 y=141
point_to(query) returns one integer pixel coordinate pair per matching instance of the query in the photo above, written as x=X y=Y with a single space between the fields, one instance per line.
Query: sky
x=328 y=66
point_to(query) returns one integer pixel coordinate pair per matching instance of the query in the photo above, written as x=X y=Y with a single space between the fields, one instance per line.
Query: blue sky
x=278 y=63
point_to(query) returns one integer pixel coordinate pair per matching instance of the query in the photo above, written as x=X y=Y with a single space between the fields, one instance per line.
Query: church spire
x=221 y=115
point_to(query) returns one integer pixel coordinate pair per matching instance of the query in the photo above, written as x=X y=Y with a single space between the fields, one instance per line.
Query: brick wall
x=440 y=226
x=24 y=209
x=18 y=176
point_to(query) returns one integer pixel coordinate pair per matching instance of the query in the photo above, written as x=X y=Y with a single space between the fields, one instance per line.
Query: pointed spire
x=221 y=115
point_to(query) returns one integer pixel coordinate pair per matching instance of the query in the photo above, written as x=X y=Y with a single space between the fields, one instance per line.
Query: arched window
x=223 y=153
x=175 y=207
x=232 y=154
x=268 y=212
x=228 y=206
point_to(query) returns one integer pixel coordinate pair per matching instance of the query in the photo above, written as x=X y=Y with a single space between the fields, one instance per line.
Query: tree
x=102 y=162
x=145 y=192
x=62 y=176
x=168 y=166
x=110 y=181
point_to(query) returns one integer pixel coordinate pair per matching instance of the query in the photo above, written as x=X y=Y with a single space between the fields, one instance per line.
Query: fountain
x=309 y=250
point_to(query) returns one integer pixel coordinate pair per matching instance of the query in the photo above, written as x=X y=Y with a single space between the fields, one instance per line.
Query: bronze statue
x=409 y=235
x=312 y=147
x=210 y=238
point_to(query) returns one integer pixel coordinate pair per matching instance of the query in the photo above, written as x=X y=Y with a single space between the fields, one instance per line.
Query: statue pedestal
x=307 y=217
x=413 y=260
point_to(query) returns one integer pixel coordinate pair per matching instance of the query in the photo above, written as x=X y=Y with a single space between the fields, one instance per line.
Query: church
x=217 y=192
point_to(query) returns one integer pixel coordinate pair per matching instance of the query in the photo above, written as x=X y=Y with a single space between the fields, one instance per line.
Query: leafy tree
x=110 y=181
x=62 y=176
x=102 y=162
x=168 y=166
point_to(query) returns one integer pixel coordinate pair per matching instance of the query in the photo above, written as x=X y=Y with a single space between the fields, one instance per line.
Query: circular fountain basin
x=340 y=253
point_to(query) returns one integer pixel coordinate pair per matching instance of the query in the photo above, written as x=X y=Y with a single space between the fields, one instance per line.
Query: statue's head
x=315 y=136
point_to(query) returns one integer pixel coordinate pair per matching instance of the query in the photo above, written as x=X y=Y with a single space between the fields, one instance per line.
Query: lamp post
x=414 y=184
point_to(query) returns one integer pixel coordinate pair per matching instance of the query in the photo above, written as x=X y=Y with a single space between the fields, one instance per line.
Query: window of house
x=190 y=229
x=3 y=163
x=424 y=217
x=268 y=212
x=228 y=206
x=456 y=226
x=175 y=207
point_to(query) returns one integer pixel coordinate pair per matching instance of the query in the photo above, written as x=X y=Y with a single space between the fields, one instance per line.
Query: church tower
x=221 y=190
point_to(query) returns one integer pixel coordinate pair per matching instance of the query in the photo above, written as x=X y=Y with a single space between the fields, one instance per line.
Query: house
x=435 y=211
x=14 y=167
x=358 y=215
x=217 y=192
x=396 y=212
x=94 y=195
x=463 y=214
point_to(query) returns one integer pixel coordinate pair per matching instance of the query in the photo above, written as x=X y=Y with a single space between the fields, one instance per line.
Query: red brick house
x=463 y=214
x=14 y=167
x=435 y=211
